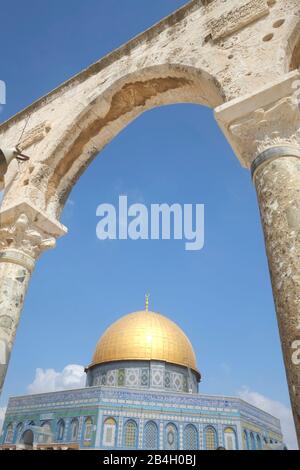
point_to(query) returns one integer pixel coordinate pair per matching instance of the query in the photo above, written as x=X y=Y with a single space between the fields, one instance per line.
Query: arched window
x=258 y=442
x=74 y=429
x=109 y=432
x=190 y=438
x=9 y=434
x=252 y=441
x=211 y=442
x=171 y=437
x=88 y=429
x=230 y=439
x=130 y=434
x=60 y=430
x=151 y=436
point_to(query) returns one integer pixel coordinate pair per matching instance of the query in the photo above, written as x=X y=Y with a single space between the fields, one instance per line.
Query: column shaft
x=14 y=279
x=278 y=189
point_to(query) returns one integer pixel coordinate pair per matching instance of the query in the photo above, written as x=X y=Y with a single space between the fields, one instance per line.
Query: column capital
x=25 y=232
x=269 y=118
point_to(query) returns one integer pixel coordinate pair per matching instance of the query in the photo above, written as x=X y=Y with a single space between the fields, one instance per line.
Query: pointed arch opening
x=171 y=437
x=151 y=435
x=211 y=438
x=190 y=437
x=130 y=434
x=109 y=432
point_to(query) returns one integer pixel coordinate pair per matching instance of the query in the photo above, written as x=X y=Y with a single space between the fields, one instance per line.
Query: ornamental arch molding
x=238 y=57
x=105 y=114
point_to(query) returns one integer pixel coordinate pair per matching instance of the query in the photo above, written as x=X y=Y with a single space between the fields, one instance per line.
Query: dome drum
x=144 y=375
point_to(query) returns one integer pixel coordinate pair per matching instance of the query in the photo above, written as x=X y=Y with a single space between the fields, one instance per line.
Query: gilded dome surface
x=145 y=335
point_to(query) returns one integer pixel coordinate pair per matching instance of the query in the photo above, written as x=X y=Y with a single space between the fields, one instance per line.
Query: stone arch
x=151 y=435
x=103 y=116
x=177 y=60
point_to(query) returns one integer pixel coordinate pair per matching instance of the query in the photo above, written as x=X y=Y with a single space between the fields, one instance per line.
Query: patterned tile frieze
x=193 y=404
x=152 y=375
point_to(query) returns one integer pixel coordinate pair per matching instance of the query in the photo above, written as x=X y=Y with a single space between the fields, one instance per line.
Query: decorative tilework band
x=272 y=154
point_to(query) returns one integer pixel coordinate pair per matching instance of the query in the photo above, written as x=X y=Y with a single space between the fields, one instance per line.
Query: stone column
x=264 y=130
x=24 y=234
x=278 y=190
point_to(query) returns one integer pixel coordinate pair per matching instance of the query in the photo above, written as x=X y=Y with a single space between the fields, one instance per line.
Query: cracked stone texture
x=278 y=190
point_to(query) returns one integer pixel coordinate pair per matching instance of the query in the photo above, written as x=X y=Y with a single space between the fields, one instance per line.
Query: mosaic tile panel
x=157 y=377
x=121 y=377
x=145 y=377
x=111 y=378
x=132 y=377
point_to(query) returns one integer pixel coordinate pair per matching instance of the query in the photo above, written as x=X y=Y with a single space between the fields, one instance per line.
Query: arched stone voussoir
x=103 y=115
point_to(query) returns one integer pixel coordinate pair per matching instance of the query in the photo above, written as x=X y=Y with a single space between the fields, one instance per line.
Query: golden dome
x=145 y=335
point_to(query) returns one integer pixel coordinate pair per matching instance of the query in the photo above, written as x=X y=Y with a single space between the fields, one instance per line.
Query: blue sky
x=221 y=296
